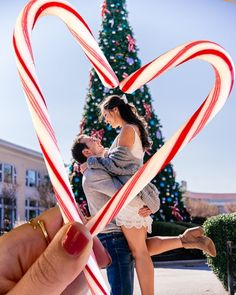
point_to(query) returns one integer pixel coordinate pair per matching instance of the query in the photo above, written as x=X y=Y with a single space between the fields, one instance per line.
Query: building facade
x=224 y=203
x=208 y=204
x=21 y=172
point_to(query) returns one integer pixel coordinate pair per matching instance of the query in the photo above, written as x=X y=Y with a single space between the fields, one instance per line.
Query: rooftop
x=18 y=148
x=211 y=196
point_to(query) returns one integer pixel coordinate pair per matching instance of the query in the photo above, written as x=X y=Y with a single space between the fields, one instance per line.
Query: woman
x=133 y=135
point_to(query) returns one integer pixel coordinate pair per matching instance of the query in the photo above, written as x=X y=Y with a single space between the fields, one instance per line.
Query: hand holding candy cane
x=37 y=269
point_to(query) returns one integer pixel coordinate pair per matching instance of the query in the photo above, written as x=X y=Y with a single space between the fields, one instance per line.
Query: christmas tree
x=117 y=41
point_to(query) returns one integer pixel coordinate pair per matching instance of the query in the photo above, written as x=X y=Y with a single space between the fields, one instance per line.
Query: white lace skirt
x=129 y=216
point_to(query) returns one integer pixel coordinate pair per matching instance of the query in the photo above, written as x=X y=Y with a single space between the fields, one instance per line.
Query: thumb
x=62 y=261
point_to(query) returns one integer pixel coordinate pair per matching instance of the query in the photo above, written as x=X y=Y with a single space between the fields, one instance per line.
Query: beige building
x=21 y=171
x=223 y=203
x=208 y=204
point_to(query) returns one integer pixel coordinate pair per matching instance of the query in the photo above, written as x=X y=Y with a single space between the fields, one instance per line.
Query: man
x=99 y=186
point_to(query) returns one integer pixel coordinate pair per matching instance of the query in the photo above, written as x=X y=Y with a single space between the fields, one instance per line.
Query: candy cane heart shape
x=38 y=108
x=224 y=79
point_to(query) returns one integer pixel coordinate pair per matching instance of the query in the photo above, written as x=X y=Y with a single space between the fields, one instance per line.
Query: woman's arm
x=110 y=164
x=118 y=163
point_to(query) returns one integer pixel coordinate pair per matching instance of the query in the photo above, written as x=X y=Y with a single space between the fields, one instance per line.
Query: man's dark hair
x=77 y=150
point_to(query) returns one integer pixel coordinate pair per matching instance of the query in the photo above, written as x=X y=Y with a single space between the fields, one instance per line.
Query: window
x=38 y=178
x=7 y=213
x=0 y=172
x=32 y=178
x=7 y=173
x=32 y=208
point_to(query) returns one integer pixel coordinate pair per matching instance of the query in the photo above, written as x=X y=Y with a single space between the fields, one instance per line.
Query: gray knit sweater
x=121 y=163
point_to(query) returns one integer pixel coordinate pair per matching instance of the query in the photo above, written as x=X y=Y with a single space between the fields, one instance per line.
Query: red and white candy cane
x=38 y=108
x=224 y=79
x=204 y=50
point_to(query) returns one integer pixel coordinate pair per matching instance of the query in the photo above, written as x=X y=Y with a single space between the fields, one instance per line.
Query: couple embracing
x=104 y=172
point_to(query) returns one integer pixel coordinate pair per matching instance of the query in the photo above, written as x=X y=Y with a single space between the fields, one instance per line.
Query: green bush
x=220 y=229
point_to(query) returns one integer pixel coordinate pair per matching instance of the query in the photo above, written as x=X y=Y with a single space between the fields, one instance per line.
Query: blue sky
x=208 y=163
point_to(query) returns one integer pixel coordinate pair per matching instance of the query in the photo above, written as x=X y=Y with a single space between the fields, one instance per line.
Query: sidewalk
x=184 y=278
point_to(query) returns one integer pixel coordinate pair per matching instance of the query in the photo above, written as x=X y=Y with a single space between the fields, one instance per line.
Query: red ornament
x=131 y=43
x=148 y=111
x=76 y=167
x=81 y=126
x=90 y=79
x=148 y=152
x=83 y=208
x=97 y=133
x=104 y=9
x=176 y=212
x=124 y=75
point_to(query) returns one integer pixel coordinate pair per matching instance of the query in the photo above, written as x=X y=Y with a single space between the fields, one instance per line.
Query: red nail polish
x=74 y=241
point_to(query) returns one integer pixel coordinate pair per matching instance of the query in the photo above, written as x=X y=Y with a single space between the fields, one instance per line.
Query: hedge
x=220 y=229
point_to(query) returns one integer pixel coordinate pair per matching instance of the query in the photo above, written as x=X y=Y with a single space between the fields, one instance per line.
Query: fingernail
x=74 y=241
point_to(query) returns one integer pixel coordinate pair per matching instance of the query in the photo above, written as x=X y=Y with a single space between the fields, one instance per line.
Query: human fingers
x=59 y=265
x=22 y=246
x=102 y=256
x=144 y=212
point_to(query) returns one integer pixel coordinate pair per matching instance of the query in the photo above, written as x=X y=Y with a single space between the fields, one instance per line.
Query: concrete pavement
x=184 y=278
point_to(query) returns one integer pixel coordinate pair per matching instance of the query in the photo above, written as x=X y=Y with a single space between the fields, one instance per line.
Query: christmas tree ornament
x=131 y=43
x=97 y=133
x=175 y=211
x=104 y=9
x=130 y=60
x=158 y=134
x=148 y=111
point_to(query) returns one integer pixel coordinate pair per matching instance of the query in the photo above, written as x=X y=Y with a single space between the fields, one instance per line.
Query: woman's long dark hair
x=129 y=114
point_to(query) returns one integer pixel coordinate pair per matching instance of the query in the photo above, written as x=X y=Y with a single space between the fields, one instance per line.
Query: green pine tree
x=119 y=46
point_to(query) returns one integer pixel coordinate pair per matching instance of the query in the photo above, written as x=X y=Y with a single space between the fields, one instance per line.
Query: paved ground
x=184 y=279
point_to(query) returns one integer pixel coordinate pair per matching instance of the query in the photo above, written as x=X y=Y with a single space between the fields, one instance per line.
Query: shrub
x=220 y=229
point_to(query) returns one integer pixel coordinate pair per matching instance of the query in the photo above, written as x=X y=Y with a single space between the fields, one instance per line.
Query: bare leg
x=192 y=238
x=157 y=245
x=136 y=238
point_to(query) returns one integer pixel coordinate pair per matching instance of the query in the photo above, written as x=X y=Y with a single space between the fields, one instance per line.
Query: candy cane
x=224 y=78
x=205 y=50
x=38 y=108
